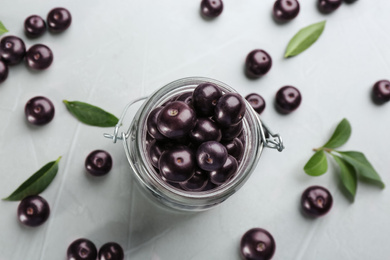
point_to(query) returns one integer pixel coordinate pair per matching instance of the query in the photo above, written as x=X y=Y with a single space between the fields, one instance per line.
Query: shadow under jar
x=151 y=183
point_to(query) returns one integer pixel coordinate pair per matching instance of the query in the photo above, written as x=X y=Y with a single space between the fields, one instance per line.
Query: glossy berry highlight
x=33 y=211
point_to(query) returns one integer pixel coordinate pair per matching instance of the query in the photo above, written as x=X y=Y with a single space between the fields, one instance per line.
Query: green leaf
x=90 y=115
x=37 y=183
x=362 y=166
x=340 y=135
x=348 y=175
x=317 y=165
x=2 y=28
x=304 y=39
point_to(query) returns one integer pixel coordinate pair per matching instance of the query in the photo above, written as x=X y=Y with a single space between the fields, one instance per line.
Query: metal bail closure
x=270 y=139
x=115 y=136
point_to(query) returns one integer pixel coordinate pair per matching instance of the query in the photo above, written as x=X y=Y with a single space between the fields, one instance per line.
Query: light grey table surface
x=116 y=50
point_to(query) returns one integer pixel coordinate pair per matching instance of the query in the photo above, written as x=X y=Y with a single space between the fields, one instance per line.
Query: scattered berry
x=98 y=163
x=12 y=50
x=257 y=63
x=316 y=201
x=39 y=110
x=328 y=6
x=82 y=249
x=39 y=57
x=34 y=26
x=288 y=98
x=285 y=10
x=111 y=251
x=33 y=211
x=58 y=20
x=3 y=71
x=257 y=244
x=381 y=91
x=211 y=8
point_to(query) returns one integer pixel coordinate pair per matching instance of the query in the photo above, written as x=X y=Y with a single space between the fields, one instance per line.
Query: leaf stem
x=329 y=150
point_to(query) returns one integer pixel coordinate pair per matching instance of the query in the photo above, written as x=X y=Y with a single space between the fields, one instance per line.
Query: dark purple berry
x=257 y=244
x=209 y=186
x=257 y=63
x=381 y=91
x=328 y=6
x=39 y=57
x=197 y=182
x=151 y=124
x=211 y=8
x=155 y=151
x=205 y=97
x=288 y=98
x=58 y=20
x=98 y=163
x=232 y=132
x=285 y=10
x=33 y=211
x=316 y=201
x=205 y=130
x=256 y=101
x=34 y=26
x=3 y=71
x=177 y=164
x=82 y=249
x=211 y=156
x=111 y=251
x=350 y=1
x=12 y=50
x=186 y=98
x=229 y=110
x=39 y=110
x=176 y=120
x=235 y=148
x=223 y=174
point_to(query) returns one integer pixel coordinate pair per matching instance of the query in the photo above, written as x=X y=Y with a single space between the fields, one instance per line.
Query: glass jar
x=134 y=141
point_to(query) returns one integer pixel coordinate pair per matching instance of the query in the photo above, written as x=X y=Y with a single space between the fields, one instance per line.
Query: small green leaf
x=317 y=165
x=304 y=39
x=91 y=115
x=2 y=28
x=362 y=166
x=340 y=135
x=37 y=183
x=347 y=174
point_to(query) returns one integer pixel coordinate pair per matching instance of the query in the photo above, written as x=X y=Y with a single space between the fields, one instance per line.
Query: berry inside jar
x=194 y=141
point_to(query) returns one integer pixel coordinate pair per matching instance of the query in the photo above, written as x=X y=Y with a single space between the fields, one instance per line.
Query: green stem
x=329 y=150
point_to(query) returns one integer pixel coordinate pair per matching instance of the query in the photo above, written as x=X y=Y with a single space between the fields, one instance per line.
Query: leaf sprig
x=353 y=165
